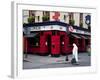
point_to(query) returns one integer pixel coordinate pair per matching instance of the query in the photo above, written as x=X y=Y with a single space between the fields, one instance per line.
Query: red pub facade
x=54 y=38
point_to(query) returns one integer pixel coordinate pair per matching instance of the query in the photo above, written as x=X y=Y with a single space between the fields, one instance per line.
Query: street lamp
x=63 y=43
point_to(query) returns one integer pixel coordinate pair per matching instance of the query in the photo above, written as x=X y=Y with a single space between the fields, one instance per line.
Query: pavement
x=39 y=62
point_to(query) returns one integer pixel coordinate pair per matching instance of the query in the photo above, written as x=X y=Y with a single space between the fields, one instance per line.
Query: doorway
x=49 y=43
x=61 y=43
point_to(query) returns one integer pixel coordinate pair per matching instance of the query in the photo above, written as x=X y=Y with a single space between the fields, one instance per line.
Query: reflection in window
x=34 y=41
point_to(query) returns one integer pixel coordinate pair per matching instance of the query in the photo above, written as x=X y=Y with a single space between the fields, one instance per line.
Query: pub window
x=64 y=17
x=81 y=20
x=53 y=32
x=34 y=41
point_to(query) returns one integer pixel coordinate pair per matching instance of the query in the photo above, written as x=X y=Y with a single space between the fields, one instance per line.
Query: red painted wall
x=46 y=33
x=25 y=44
x=43 y=48
x=83 y=47
x=56 y=44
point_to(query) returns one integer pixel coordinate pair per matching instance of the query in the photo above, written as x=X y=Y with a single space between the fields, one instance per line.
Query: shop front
x=54 y=38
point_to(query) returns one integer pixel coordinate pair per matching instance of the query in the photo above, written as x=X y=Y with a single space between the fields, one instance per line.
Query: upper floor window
x=31 y=13
x=31 y=18
x=38 y=17
x=46 y=16
x=64 y=17
x=81 y=20
x=71 y=18
x=34 y=41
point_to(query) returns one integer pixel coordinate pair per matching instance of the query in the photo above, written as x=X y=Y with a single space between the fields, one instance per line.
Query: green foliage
x=45 y=18
x=72 y=22
x=81 y=24
x=31 y=19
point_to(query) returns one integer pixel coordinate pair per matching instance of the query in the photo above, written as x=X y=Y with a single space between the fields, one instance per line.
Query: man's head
x=74 y=44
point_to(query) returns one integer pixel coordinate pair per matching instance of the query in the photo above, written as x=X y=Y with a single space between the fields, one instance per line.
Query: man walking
x=74 y=54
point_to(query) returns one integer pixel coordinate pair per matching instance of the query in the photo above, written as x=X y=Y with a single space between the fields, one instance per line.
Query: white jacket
x=75 y=52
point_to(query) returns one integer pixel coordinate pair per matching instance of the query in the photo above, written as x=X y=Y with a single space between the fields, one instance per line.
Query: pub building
x=55 y=37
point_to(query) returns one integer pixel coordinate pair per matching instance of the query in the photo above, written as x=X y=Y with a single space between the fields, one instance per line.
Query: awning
x=88 y=37
x=84 y=37
x=76 y=36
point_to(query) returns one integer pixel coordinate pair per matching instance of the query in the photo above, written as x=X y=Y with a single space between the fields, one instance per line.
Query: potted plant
x=81 y=24
x=72 y=22
x=45 y=18
x=31 y=19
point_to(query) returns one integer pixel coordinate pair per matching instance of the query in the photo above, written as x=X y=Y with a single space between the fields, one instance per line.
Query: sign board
x=45 y=28
x=71 y=29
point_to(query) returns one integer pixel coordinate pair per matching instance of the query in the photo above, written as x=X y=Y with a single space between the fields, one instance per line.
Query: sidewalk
x=37 y=62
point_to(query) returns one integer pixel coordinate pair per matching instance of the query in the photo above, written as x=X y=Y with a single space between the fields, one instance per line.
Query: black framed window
x=34 y=41
x=71 y=18
x=81 y=20
x=64 y=17
x=31 y=13
x=53 y=32
x=38 y=17
x=46 y=16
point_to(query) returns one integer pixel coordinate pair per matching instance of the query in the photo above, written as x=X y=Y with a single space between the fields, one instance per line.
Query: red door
x=55 y=45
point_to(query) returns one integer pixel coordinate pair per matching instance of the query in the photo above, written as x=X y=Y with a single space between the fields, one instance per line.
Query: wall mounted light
x=46 y=43
x=62 y=43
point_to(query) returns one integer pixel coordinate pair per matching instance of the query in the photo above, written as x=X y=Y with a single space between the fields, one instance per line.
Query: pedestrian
x=74 y=54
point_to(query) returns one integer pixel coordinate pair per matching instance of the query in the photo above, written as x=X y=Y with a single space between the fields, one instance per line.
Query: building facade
x=46 y=32
x=79 y=18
